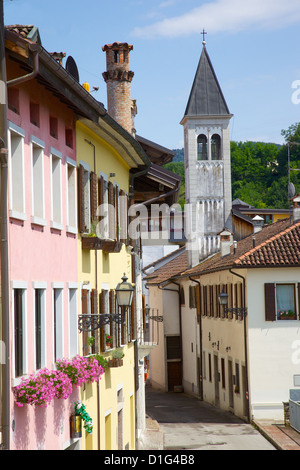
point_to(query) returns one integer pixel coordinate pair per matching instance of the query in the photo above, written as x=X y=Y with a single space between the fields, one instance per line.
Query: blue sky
x=253 y=45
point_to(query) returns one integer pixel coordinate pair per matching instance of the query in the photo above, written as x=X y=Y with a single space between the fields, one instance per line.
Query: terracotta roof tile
x=276 y=245
x=173 y=268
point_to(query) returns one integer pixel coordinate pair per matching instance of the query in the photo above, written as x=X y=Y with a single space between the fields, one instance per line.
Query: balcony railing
x=148 y=332
x=94 y=321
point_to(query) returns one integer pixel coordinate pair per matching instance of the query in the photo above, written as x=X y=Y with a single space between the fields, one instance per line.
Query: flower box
x=115 y=362
x=111 y=246
x=92 y=243
x=287 y=317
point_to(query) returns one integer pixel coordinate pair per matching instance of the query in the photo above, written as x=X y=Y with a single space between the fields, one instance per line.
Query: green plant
x=93 y=229
x=102 y=361
x=117 y=354
x=91 y=341
x=80 y=410
x=108 y=339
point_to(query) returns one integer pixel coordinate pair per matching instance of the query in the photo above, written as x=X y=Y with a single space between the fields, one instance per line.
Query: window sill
x=56 y=225
x=17 y=215
x=71 y=229
x=38 y=221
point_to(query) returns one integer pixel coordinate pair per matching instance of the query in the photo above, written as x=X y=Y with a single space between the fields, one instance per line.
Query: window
x=58 y=322
x=37 y=170
x=73 y=322
x=173 y=347
x=19 y=331
x=71 y=197
x=84 y=197
x=202 y=147
x=53 y=127
x=16 y=172
x=215 y=147
x=192 y=296
x=237 y=378
x=35 y=114
x=69 y=138
x=56 y=191
x=285 y=301
x=280 y=301
x=40 y=333
x=223 y=372
x=13 y=99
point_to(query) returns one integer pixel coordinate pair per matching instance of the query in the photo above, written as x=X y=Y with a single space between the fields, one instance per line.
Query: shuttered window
x=173 y=347
x=18 y=326
x=281 y=301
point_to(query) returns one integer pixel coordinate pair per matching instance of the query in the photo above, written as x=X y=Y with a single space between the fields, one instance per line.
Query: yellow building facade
x=103 y=177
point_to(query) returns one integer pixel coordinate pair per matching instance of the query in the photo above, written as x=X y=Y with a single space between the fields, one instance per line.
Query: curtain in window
x=285 y=298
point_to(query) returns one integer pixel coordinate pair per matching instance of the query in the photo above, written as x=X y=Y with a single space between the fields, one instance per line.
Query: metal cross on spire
x=203 y=33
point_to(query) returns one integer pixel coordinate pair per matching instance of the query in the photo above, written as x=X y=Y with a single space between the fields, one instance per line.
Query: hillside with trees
x=259 y=171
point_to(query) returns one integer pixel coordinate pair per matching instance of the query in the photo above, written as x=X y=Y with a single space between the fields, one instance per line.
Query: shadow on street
x=172 y=407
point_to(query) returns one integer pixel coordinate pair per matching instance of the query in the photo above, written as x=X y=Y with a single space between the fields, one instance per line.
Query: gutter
x=29 y=76
x=200 y=348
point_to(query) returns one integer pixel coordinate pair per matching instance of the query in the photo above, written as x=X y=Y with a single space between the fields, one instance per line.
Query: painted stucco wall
x=273 y=347
x=115 y=396
x=40 y=255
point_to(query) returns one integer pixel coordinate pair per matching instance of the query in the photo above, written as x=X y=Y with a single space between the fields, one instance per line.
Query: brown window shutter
x=111 y=212
x=205 y=300
x=101 y=330
x=84 y=311
x=94 y=310
x=101 y=190
x=81 y=222
x=112 y=311
x=94 y=195
x=270 y=307
x=123 y=217
x=198 y=301
x=117 y=213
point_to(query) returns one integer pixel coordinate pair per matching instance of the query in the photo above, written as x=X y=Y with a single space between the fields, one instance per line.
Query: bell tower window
x=215 y=147
x=202 y=147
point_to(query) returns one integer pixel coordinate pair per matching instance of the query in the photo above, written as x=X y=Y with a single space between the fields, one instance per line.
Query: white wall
x=274 y=347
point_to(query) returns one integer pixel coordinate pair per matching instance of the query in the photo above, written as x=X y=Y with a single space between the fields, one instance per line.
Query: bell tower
x=118 y=78
x=207 y=163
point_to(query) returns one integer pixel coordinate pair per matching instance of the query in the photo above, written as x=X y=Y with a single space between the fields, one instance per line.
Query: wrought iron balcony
x=94 y=321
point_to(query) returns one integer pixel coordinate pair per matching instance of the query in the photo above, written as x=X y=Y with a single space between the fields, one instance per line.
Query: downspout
x=200 y=347
x=25 y=78
x=245 y=340
x=180 y=314
x=5 y=362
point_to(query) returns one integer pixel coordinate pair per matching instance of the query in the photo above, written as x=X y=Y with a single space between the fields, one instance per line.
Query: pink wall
x=42 y=254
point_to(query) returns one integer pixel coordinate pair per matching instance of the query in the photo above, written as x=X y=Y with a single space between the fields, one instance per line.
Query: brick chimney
x=118 y=79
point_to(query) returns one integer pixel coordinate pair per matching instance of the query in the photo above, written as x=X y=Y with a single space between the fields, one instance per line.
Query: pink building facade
x=43 y=269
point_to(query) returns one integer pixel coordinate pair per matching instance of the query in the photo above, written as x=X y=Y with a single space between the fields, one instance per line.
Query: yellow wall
x=104 y=271
x=277 y=217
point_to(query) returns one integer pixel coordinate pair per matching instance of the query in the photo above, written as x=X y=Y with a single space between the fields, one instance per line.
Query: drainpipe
x=245 y=340
x=5 y=372
x=25 y=78
x=200 y=347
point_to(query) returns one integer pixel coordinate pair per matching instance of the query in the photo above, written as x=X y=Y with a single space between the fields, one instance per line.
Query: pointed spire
x=206 y=97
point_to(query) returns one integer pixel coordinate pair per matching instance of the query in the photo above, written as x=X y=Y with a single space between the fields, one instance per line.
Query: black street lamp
x=238 y=311
x=124 y=292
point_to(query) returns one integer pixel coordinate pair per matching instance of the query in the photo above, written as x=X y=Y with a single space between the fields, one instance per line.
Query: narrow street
x=190 y=424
